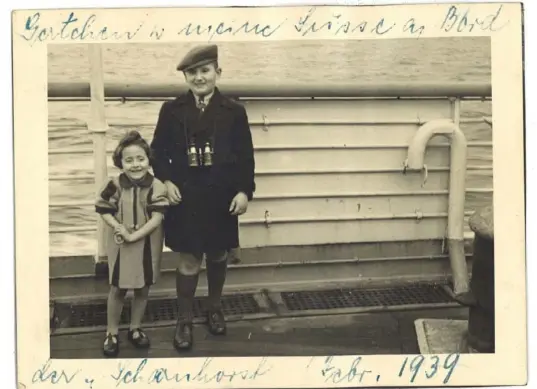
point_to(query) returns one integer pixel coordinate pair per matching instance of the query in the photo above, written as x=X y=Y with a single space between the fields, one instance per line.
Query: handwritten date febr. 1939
x=429 y=366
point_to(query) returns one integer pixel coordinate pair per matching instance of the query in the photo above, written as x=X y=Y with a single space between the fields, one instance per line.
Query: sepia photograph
x=327 y=198
x=253 y=198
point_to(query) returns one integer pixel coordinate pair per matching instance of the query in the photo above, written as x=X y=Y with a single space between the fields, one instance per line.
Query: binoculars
x=198 y=157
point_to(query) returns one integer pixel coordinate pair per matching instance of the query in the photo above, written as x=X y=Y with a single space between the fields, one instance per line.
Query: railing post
x=457 y=192
x=456 y=111
x=98 y=128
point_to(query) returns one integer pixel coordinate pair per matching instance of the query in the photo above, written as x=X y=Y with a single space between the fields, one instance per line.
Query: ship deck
x=390 y=332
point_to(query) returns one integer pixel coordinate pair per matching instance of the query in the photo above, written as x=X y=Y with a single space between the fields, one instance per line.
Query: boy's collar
x=216 y=95
x=206 y=98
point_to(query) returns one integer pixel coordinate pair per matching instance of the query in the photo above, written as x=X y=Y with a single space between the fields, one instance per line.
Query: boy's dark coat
x=201 y=222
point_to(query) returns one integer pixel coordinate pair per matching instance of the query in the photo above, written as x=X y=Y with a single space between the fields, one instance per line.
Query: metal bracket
x=425 y=175
x=266 y=123
x=267 y=219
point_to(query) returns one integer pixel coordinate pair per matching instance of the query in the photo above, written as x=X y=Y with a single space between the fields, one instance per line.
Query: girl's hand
x=122 y=234
x=118 y=238
x=129 y=238
x=239 y=204
x=121 y=230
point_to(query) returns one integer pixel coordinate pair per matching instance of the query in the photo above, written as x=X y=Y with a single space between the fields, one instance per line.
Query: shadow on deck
x=390 y=332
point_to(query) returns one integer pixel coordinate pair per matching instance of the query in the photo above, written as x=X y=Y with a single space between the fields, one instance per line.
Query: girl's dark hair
x=131 y=138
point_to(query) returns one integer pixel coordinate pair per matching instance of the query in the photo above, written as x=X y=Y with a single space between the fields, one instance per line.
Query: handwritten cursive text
x=337 y=375
x=47 y=374
x=465 y=21
x=206 y=374
x=73 y=29
x=307 y=24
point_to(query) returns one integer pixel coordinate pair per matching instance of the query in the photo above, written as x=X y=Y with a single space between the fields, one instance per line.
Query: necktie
x=201 y=104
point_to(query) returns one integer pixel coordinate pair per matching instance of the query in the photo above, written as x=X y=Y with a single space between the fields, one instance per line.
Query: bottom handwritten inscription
x=332 y=371
x=47 y=374
x=429 y=366
x=204 y=375
x=335 y=374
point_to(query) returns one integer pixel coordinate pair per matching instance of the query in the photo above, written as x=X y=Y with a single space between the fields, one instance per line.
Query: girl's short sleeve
x=107 y=200
x=158 y=199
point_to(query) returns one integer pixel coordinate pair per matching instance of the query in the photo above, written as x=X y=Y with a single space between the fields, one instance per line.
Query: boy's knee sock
x=216 y=277
x=186 y=289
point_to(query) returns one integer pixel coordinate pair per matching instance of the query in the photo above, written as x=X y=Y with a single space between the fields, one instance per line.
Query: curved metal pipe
x=457 y=181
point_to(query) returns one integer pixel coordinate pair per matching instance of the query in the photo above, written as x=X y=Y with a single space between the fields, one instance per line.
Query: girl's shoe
x=141 y=340
x=111 y=345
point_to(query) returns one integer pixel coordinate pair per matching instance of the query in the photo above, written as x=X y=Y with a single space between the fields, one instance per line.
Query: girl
x=132 y=206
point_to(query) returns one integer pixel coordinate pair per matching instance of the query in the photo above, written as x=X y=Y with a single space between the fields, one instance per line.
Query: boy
x=203 y=153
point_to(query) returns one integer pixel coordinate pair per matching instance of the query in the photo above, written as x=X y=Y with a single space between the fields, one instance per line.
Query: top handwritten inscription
x=451 y=19
x=89 y=29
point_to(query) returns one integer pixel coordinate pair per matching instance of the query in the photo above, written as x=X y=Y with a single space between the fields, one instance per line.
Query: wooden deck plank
x=330 y=335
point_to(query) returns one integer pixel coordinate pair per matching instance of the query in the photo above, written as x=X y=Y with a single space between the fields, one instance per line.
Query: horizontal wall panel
x=71 y=191
x=258 y=235
x=347 y=110
x=344 y=158
x=323 y=207
x=283 y=159
x=78 y=243
x=346 y=206
x=350 y=182
x=76 y=164
x=293 y=184
x=337 y=134
x=72 y=216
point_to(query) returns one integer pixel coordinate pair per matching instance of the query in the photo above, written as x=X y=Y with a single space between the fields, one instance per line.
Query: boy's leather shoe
x=183 y=338
x=216 y=322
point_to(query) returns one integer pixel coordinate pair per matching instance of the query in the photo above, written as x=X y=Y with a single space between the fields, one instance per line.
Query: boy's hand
x=239 y=204
x=174 y=195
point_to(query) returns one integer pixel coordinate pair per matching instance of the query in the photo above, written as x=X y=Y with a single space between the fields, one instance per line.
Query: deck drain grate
x=89 y=315
x=356 y=297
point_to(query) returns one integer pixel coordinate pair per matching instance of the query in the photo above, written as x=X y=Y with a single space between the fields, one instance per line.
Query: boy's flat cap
x=199 y=55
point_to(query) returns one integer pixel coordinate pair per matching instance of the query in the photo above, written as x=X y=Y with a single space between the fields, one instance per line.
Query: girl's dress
x=137 y=264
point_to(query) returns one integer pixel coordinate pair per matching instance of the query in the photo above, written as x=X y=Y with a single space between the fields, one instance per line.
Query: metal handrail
x=282 y=122
x=292 y=147
x=288 y=89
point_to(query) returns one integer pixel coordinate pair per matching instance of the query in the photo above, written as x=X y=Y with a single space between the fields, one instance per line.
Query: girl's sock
x=116 y=298
x=139 y=305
